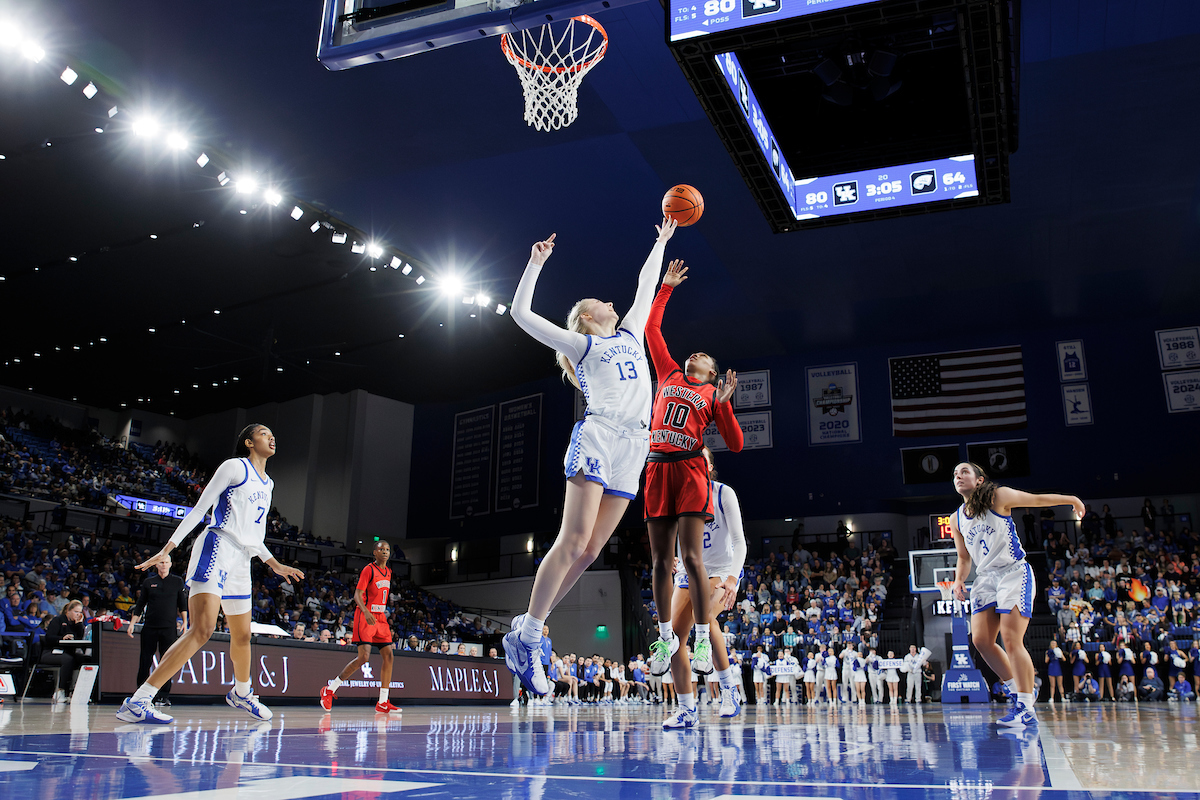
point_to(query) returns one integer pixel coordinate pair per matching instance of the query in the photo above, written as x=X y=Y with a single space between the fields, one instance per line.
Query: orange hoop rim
x=516 y=60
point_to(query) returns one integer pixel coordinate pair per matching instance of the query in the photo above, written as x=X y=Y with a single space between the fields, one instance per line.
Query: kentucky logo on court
x=832 y=401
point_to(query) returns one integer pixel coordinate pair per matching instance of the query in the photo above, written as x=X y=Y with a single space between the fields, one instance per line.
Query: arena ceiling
x=430 y=156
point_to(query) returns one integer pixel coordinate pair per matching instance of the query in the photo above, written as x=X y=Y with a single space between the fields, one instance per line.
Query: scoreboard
x=939 y=527
x=705 y=17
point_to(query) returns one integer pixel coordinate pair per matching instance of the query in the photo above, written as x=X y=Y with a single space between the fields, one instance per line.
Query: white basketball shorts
x=219 y=566
x=608 y=454
x=1005 y=589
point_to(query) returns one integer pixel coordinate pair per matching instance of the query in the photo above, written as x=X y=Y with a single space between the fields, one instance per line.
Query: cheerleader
x=848 y=657
x=759 y=678
x=875 y=675
x=1054 y=659
x=1104 y=672
x=893 y=680
x=810 y=678
x=1079 y=664
x=860 y=678
x=1002 y=595
x=1125 y=662
x=602 y=355
x=831 y=676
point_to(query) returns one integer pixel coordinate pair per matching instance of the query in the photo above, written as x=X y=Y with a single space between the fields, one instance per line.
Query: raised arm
x=664 y=365
x=727 y=424
x=1008 y=498
x=635 y=320
x=230 y=473
x=569 y=343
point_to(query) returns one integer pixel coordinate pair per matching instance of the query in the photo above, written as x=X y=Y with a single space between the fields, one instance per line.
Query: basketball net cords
x=550 y=76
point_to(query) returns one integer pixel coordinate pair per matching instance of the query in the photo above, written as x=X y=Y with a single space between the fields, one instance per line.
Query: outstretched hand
x=667 y=229
x=726 y=388
x=676 y=273
x=289 y=574
x=1079 y=508
x=162 y=556
x=542 y=250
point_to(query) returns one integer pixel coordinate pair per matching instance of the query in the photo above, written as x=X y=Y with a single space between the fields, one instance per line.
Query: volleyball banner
x=833 y=416
x=756 y=433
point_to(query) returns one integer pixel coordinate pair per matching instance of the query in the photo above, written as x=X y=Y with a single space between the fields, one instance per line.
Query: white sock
x=1011 y=685
x=687 y=701
x=701 y=631
x=145 y=692
x=531 y=630
x=335 y=684
x=1026 y=699
x=665 y=631
x=241 y=688
x=725 y=677
x=383 y=695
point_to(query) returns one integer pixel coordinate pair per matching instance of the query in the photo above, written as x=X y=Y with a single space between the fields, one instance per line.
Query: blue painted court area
x=213 y=753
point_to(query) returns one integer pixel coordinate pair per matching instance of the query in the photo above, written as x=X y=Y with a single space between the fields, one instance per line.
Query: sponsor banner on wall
x=1002 y=460
x=833 y=416
x=756 y=432
x=1178 y=348
x=471 y=465
x=519 y=461
x=1071 y=364
x=1183 y=391
x=753 y=389
x=294 y=671
x=1077 y=404
x=933 y=464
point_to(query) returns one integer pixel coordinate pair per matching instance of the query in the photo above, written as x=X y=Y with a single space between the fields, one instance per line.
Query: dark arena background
x=934 y=231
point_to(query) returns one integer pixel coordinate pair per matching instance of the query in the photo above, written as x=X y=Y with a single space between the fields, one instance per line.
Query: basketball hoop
x=552 y=65
x=947 y=594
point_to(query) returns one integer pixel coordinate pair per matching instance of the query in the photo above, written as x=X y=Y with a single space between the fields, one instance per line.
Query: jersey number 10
x=677 y=415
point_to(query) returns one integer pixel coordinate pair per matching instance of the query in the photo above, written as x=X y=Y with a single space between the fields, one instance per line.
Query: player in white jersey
x=218 y=575
x=1002 y=595
x=724 y=556
x=602 y=354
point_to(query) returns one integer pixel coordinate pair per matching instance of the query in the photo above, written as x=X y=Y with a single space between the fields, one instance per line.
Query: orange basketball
x=683 y=204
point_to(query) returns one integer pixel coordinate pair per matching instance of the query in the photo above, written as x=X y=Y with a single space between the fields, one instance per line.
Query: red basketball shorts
x=678 y=489
x=378 y=634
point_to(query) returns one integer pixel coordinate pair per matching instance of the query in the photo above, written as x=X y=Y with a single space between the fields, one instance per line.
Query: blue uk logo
x=221 y=576
x=593 y=465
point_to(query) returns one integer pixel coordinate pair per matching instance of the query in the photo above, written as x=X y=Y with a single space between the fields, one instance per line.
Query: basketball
x=683 y=204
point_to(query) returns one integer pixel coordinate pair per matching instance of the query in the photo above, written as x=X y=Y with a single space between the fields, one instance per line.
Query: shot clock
x=939 y=527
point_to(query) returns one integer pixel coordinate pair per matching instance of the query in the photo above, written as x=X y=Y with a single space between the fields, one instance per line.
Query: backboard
x=358 y=32
x=927 y=567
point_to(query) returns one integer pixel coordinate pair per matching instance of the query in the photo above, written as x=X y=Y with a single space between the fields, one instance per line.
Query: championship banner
x=471 y=465
x=833 y=416
x=1077 y=404
x=1178 y=348
x=753 y=389
x=756 y=433
x=1071 y=365
x=1183 y=391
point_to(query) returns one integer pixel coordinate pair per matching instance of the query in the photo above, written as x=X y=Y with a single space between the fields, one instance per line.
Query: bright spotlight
x=468 y=299
x=420 y=279
x=338 y=238
x=355 y=247
x=483 y=300
x=99 y=130
x=9 y=35
x=90 y=90
x=145 y=126
x=32 y=52
x=395 y=263
x=68 y=76
x=374 y=250
x=202 y=160
x=176 y=141
x=112 y=112
x=273 y=197
x=407 y=269
x=246 y=185
x=451 y=285
x=223 y=179
x=297 y=212
x=316 y=226
x=501 y=308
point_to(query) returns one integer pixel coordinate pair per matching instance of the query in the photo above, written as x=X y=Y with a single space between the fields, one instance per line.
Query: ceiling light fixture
x=297 y=212
x=68 y=76
x=90 y=90
x=202 y=160
x=338 y=238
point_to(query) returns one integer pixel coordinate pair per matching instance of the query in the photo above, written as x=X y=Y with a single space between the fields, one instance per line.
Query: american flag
x=969 y=391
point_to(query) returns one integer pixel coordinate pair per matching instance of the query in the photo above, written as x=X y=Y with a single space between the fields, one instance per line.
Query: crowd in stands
x=1126 y=607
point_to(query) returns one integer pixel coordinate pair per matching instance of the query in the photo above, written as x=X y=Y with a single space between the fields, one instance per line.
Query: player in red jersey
x=678 y=491
x=371 y=628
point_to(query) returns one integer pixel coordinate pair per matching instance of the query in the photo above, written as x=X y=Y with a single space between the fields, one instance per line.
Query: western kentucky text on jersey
x=680 y=440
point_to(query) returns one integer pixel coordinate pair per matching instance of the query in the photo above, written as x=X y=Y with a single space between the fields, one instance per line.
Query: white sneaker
x=730 y=707
x=660 y=655
x=683 y=718
x=249 y=704
x=142 y=711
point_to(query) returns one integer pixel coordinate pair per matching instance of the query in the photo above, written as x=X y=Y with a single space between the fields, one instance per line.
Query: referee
x=161 y=600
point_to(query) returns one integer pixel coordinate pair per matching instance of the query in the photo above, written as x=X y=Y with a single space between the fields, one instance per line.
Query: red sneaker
x=326 y=698
x=386 y=708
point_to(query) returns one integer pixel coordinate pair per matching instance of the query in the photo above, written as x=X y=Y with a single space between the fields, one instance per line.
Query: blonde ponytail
x=574 y=323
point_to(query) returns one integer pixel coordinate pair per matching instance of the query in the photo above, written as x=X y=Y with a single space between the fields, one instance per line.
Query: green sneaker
x=702 y=657
x=660 y=655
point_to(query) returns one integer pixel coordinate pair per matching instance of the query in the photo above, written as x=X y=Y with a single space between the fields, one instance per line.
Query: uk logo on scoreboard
x=845 y=194
x=756 y=8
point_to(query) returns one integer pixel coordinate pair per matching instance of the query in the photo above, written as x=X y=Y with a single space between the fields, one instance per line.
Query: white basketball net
x=551 y=65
